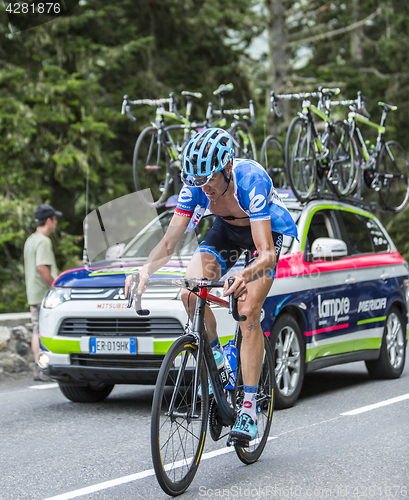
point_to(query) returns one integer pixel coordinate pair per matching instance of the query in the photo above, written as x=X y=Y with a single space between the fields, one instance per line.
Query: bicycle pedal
x=236 y=441
x=153 y=167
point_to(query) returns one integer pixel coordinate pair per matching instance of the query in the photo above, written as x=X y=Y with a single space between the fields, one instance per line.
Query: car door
x=329 y=320
x=369 y=279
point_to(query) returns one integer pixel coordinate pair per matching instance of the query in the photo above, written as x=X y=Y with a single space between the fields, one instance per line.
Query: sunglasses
x=192 y=181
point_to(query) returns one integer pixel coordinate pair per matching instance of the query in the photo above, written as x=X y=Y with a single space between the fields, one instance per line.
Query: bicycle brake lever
x=132 y=296
x=233 y=305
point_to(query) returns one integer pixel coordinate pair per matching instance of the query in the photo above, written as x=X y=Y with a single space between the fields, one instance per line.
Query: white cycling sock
x=249 y=402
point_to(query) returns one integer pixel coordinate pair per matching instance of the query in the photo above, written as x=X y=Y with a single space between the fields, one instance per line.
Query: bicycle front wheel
x=272 y=159
x=392 y=167
x=264 y=405
x=178 y=429
x=300 y=159
x=151 y=166
x=244 y=143
x=343 y=158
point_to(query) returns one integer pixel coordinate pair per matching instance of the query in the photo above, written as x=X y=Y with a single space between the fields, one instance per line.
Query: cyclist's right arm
x=161 y=254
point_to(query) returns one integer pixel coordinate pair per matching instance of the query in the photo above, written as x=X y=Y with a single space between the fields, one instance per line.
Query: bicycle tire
x=343 y=153
x=273 y=160
x=151 y=167
x=300 y=160
x=393 y=193
x=175 y=465
x=244 y=143
x=265 y=406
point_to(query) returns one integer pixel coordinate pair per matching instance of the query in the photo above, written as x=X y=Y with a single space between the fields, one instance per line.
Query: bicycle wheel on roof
x=151 y=166
x=273 y=160
x=392 y=167
x=300 y=159
x=244 y=143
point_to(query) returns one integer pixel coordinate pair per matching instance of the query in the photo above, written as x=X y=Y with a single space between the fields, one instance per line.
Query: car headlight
x=56 y=296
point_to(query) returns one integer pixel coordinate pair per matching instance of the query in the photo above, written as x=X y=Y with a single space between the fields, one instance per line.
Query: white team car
x=340 y=295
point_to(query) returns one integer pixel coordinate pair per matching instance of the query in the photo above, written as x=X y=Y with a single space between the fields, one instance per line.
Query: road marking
x=44 y=386
x=377 y=405
x=135 y=477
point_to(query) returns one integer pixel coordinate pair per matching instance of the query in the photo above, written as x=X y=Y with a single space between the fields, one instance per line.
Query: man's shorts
x=227 y=242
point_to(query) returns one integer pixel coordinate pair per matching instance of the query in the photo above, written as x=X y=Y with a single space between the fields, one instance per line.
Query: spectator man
x=40 y=270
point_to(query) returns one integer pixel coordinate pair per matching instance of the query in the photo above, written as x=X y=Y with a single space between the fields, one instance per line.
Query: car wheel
x=86 y=394
x=289 y=360
x=391 y=360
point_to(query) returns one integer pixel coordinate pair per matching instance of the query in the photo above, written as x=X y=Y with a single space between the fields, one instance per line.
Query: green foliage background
x=61 y=88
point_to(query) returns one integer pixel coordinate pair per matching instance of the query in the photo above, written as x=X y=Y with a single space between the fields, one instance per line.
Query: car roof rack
x=352 y=200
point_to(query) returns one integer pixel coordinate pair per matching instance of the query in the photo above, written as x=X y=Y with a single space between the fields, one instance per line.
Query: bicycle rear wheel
x=151 y=166
x=300 y=159
x=178 y=434
x=244 y=143
x=264 y=403
x=272 y=159
x=392 y=167
x=343 y=158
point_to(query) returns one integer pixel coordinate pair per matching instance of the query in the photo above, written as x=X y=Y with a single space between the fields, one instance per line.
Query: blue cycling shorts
x=227 y=242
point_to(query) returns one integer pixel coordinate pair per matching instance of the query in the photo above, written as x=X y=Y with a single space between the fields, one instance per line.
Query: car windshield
x=144 y=244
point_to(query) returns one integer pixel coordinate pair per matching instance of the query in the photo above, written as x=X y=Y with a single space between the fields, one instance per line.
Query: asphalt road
x=51 y=448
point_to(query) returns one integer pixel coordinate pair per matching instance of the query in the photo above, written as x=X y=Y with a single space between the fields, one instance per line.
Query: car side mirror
x=114 y=252
x=328 y=249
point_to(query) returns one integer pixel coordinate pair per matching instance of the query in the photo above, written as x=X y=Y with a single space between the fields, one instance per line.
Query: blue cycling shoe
x=245 y=428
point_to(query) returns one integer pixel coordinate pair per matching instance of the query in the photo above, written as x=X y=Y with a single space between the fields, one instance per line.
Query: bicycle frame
x=196 y=332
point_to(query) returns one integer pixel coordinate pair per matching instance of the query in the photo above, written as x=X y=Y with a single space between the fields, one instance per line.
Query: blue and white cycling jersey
x=254 y=192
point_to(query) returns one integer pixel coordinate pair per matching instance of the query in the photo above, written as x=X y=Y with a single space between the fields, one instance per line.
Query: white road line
x=377 y=405
x=134 y=477
x=44 y=386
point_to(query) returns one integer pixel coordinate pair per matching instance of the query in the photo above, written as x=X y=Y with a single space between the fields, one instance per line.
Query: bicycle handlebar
x=189 y=283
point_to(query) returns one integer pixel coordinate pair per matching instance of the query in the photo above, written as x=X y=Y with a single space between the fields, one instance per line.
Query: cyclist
x=250 y=216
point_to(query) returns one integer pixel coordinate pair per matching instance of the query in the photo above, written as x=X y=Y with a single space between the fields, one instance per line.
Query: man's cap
x=43 y=212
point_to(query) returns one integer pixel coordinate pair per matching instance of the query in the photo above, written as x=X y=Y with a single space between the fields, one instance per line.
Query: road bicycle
x=243 y=139
x=382 y=166
x=156 y=157
x=182 y=408
x=313 y=160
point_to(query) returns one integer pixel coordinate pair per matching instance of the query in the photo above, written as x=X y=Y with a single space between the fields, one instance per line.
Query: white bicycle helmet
x=206 y=153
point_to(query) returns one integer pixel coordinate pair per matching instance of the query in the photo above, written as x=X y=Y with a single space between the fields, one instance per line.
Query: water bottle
x=218 y=356
x=230 y=360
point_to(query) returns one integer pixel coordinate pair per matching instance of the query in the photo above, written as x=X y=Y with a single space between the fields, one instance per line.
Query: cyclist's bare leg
x=252 y=348
x=202 y=265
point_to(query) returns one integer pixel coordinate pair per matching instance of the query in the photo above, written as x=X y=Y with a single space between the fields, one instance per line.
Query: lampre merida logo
x=333 y=307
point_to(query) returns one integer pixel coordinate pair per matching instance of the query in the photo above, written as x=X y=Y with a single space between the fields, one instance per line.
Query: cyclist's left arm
x=265 y=262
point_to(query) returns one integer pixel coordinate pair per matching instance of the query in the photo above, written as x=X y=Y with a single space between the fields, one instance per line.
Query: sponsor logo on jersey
x=247 y=404
x=333 y=307
x=372 y=305
x=257 y=202
x=185 y=195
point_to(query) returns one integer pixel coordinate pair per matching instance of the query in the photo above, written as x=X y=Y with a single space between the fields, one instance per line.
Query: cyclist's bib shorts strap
x=227 y=242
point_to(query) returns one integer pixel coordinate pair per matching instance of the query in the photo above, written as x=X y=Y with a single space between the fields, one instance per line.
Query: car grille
x=101 y=361
x=153 y=327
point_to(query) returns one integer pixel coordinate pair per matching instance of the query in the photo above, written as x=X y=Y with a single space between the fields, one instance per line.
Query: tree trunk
x=279 y=57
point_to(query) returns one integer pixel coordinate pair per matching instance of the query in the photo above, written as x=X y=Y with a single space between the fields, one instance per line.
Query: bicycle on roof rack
x=182 y=407
x=382 y=166
x=313 y=160
x=156 y=157
x=243 y=139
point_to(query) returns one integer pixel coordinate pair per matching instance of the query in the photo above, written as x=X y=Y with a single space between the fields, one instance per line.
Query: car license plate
x=115 y=345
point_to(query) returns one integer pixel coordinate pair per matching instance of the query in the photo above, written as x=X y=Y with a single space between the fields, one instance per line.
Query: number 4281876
x=34 y=8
